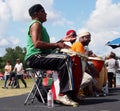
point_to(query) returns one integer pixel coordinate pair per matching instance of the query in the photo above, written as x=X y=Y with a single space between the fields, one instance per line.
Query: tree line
x=12 y=54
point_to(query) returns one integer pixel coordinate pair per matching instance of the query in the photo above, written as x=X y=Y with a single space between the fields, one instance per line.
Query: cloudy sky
x=100 y=17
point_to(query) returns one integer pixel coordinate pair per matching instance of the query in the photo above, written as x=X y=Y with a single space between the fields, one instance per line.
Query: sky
x=100 y=17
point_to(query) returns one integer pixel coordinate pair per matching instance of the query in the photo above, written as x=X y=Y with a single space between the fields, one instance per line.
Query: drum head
x=96 y=58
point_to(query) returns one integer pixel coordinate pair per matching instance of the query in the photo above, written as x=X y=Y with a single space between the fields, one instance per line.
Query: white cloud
x=8 y=42
x=105 y=16
x=17 y=10
x=4 y=11
x=14 y=40
x=4 y=17
x=104 y=25
x=3 y=42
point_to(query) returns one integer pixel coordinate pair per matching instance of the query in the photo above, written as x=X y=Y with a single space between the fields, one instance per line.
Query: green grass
x=14 y=92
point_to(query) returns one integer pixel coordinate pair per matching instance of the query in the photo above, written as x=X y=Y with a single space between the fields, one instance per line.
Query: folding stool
x=37 y=81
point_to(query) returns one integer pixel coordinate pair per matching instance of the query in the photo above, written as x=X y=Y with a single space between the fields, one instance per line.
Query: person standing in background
x=8 y=68
x=19 y=70
x=112 y=65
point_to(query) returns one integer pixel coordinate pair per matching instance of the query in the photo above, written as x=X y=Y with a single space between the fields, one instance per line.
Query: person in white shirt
x=19 y=70
x=112 y=65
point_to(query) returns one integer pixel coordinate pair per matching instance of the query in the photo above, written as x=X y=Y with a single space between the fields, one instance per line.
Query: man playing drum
x=79 y=46
x=38 y=54
x=92 y=70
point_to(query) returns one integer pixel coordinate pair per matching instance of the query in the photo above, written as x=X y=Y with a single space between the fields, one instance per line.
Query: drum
x=102 y=80
x=77 y=73
x=98 y=62
x=99 y=65
x=78 y=68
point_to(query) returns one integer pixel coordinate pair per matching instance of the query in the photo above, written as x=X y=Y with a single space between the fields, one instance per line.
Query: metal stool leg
x=35 y=87
x=28 y=97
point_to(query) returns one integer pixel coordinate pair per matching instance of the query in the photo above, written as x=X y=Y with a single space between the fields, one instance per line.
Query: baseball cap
x=71 y=31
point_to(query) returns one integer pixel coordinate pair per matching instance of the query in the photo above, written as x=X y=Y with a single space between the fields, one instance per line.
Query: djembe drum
x=99 y=65
x=78 y=67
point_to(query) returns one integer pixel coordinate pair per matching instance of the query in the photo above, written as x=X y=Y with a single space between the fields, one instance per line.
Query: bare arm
x=35 y=32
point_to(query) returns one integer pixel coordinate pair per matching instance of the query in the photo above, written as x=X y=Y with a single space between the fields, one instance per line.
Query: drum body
x=98 y=64
x=102 y=78
x=77 y=72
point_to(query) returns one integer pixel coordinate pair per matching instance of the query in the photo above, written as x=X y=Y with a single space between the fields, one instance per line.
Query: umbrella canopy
x=114 y=43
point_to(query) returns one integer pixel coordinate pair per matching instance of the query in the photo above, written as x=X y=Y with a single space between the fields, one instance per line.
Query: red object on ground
x=1 y=75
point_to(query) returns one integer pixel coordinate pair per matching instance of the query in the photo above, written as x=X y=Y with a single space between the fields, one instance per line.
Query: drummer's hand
x=60 y=45
x=69 y=38
x=66 y=46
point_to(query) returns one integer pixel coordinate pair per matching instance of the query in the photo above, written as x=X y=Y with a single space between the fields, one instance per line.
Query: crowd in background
x=13 y=74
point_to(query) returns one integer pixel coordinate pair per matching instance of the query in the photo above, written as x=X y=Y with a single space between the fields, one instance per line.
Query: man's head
x=85 y=38
x=18 y=60
x=34 y=9
x=37 y=12
x=8 y=62
x=112 y=55
x=72 y=34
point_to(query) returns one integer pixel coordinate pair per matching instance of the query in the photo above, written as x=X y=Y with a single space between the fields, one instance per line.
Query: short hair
x=112 y=55
x=35 y=8
x=8 y=61
x=17 y=60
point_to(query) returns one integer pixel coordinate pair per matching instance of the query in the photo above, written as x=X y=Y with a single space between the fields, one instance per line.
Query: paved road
x=108 y=103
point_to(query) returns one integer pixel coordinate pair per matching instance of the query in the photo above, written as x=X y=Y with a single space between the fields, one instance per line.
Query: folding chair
x=37 y=81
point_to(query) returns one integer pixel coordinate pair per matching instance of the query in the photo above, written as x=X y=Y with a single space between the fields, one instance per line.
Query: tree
x=12 y=54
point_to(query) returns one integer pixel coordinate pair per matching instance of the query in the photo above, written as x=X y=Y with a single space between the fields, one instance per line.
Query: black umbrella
x=115 y=43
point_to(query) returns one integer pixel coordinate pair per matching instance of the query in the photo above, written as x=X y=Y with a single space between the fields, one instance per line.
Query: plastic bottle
x=50 y=102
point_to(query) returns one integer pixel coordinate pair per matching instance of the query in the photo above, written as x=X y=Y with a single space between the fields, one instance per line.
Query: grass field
x=13 y=92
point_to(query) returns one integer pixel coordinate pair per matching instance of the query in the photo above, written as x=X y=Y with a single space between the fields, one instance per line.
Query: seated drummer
x=38 y=46
x=73 y=35
x=79 y=46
